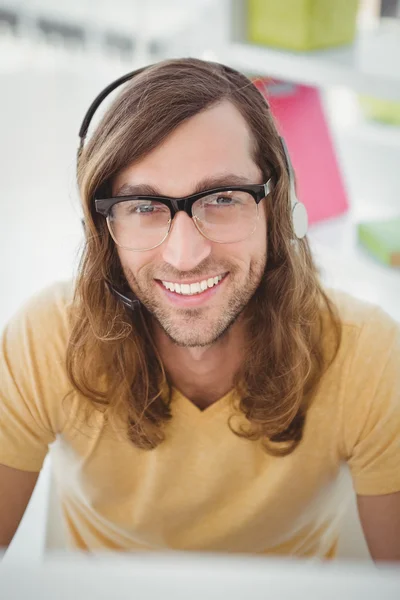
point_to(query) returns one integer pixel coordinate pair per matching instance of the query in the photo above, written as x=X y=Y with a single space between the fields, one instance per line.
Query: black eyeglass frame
x=257 y=191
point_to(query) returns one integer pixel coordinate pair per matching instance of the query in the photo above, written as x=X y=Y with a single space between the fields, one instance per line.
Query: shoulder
x=368 y=358
x=44 y=315
x=33 y=377
x=367 y=393
x=54 y=299
x=35 y=340
x=367 y=367
x=365 y=326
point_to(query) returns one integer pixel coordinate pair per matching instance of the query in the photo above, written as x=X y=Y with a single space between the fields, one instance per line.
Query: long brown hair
x=111 y=357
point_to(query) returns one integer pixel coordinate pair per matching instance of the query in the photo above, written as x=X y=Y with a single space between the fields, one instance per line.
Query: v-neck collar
x=186 y=406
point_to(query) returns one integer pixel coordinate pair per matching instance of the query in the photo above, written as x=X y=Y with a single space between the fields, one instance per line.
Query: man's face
x=214 y=144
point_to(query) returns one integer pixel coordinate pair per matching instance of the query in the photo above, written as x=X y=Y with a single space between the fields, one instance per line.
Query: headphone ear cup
x=299 y=211
x=299 y=220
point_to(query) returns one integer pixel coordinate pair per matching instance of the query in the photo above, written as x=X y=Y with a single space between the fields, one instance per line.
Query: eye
x=225 y=200
x=221 y=200
x=138 y=208
x=143 y=209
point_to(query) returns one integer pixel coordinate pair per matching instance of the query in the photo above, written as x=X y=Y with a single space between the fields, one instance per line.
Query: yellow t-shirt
x=204 y=488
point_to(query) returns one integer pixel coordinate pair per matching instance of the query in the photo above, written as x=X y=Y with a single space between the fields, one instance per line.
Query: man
x=201 y=390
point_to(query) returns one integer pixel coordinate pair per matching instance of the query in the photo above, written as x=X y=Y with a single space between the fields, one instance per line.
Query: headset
x=298 y=210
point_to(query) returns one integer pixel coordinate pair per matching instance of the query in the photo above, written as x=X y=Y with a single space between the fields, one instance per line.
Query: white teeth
x=185 y=288
x=195 y=288
x=191 y=289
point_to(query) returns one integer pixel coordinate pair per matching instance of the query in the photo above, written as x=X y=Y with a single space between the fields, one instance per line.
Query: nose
x=185 y=247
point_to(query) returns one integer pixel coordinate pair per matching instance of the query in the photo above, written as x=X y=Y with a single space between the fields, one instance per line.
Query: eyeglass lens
x=224 y=217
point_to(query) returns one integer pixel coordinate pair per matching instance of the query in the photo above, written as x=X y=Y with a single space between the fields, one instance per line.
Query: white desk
x=181 y=576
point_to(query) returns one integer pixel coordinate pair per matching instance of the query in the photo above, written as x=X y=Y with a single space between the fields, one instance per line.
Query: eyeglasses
x=224 y=215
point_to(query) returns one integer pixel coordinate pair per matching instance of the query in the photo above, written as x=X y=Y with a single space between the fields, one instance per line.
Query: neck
x=202 y=374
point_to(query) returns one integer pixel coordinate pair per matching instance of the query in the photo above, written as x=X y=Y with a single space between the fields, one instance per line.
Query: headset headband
x=299 y=212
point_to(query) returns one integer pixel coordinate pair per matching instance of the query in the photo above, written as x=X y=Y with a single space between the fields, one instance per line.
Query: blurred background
x=330 y=68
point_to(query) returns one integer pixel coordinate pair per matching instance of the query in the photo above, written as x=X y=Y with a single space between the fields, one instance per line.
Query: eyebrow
x=208 y=183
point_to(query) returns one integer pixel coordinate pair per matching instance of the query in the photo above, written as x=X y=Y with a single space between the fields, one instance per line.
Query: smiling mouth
x=193 y=289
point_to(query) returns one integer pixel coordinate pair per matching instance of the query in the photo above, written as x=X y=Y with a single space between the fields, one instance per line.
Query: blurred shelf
x=369 y=66
x=347 y=120
x=372 y=132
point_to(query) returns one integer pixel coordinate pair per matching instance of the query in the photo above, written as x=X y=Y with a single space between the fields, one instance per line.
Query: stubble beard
x=193 y=327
